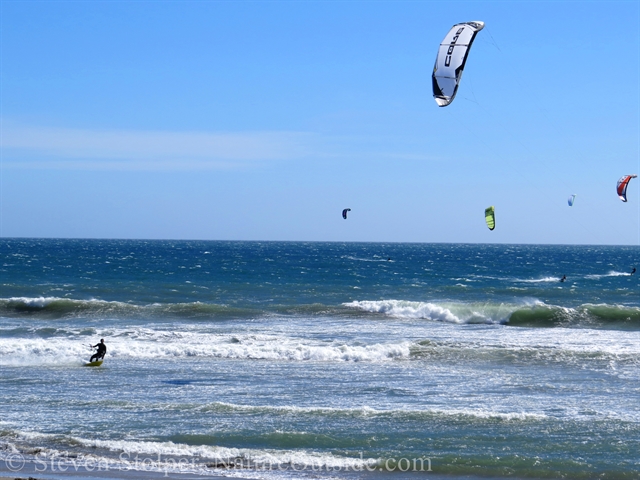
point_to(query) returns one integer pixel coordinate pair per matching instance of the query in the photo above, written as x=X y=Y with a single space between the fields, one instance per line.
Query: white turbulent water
x=301 y=370
x=212 y=377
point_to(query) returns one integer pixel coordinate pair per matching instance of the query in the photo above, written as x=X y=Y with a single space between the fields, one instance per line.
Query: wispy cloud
x=29 y=147
x=43 y=147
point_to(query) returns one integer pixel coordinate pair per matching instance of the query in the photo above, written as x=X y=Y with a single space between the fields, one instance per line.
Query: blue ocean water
x=307 y=360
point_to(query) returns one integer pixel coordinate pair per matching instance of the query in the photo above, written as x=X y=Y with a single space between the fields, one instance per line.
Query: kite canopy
x=622 y=186
x=490 y=217
x=452 y=55
x=571 y=200
x=344 y=213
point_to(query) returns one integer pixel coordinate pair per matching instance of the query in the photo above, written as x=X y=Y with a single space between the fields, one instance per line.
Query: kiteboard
x=97 y=363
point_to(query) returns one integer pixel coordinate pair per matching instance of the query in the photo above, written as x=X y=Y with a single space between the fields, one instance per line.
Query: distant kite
x=622 y=186
x=490 y=217
x=452 y=55
x=572 y=199
x=344 y=213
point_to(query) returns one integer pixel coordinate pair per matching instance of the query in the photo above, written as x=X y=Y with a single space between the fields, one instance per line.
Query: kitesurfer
x=102 y=349
x=633 y=271
x=564 y=277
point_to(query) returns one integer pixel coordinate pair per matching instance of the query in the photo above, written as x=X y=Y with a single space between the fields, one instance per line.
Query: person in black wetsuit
x=633 y=271
x=102 y=349
x=564 y=277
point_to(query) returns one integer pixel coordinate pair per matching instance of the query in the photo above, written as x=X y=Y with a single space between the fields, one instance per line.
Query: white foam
x=405 y=309
x=609 y=274
x=159 y=455
x=539 y=280
x=367 y=259
x=37 y=302
x=42 y=302
x=452 y=312
x=489 y=414
x=144 y=343
x=366 y=411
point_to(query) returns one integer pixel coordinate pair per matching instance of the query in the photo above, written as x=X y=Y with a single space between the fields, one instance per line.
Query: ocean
x=281 y=360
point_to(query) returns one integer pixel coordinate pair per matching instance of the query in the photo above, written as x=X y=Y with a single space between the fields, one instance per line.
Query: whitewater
x=307 y=360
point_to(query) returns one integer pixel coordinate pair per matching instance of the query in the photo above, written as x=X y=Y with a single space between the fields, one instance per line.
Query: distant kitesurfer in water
x=564 y=277
x=633 y=271
x=102 y=349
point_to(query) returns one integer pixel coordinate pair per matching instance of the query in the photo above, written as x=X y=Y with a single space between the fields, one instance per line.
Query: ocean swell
x=56 y=307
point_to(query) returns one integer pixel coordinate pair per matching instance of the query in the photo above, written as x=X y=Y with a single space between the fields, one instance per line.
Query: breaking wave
x=152 y=344
x=532 y=313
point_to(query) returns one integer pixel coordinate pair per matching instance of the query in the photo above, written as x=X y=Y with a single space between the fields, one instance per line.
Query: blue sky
x=263 y=120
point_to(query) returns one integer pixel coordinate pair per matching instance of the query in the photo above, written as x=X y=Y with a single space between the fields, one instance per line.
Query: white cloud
x=44 y=147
